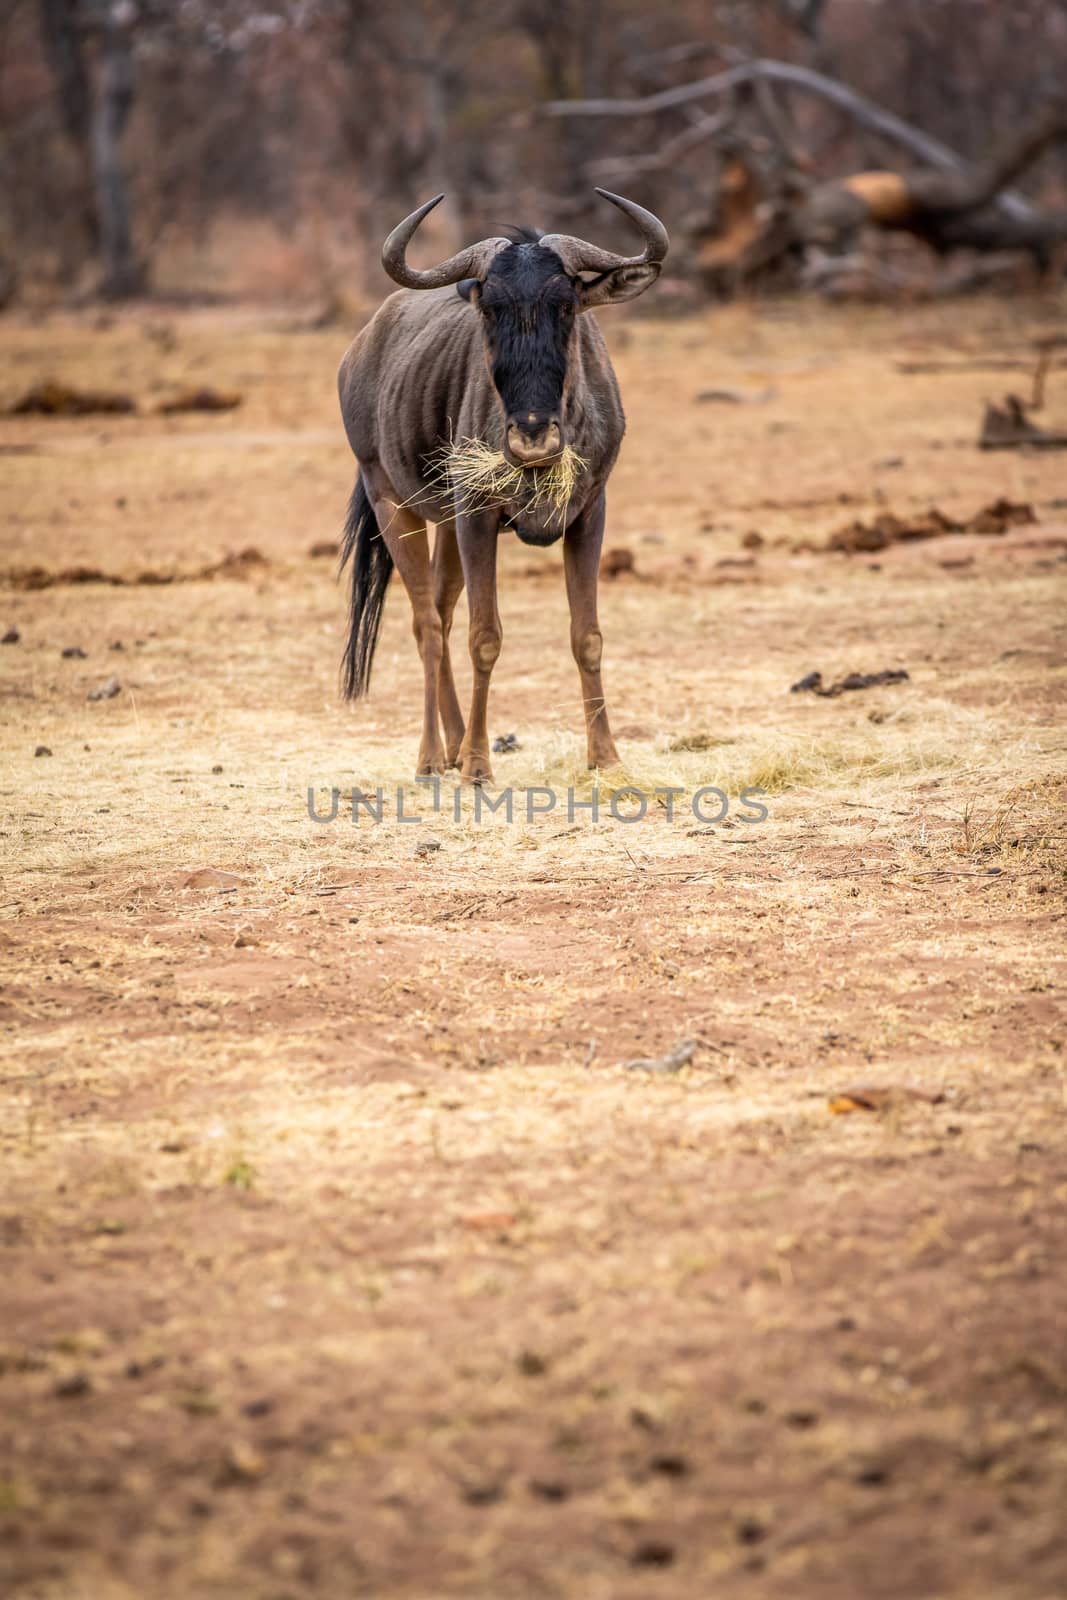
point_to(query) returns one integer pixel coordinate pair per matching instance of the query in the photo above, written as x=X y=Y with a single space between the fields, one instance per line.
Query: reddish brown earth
x=342 y=1252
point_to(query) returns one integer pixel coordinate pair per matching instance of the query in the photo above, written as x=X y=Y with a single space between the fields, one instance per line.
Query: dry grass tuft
x=477 y=476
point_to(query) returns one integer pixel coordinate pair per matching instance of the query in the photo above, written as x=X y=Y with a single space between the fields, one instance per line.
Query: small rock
x=42 y=750
x=427 y=847
x=752 y=540
x=549 y=1489
x=737 y=397
x=483 y=1494
x=324 y=548
x=73 y=1386
x=801 y=1419
x=73 y=652
x=12 y=636
x=653 y=1553
x=116 y=644
x=216 y=769
x=106 y=690
x=241 y=1464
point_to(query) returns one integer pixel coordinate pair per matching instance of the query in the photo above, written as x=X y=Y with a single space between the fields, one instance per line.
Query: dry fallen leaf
x=490 y=1221
x=212 y=878
x=868 y=1097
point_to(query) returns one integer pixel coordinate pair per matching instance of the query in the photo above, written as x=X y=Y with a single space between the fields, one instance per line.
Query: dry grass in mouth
x=478 y=476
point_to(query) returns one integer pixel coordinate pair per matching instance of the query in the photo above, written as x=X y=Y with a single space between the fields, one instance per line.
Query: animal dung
x=53 y=399
x=476 y=476
x=202 y=398
x=887 y=528
x=613 y=563
x=813 y=684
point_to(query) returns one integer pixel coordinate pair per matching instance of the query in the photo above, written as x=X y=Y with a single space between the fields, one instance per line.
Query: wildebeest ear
x=468 y=288
x=624 y=283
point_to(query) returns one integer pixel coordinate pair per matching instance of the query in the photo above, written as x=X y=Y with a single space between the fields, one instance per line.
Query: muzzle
x=532 y=440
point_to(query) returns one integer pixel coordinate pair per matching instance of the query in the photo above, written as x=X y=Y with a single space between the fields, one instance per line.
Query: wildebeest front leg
x=404 y=532
x=447 y=588
x=477 y=539
x=581 y=565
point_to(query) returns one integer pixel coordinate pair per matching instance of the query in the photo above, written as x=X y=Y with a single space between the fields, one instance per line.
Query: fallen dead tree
x=947 y=210
x=766 y=211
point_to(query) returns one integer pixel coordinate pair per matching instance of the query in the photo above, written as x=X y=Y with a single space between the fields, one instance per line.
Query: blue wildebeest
x=513 y=361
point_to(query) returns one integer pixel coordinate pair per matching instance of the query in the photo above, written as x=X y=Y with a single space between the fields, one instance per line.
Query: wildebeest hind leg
x=404 y=532
x=581 y=566
x=447 y=588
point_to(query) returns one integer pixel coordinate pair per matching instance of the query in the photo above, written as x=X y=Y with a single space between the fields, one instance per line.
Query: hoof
x=431 y=766
x=475 y=770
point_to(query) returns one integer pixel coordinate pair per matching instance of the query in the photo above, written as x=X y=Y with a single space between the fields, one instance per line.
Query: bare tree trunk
x=112 y=98
x=95 y=96
x=64 y=51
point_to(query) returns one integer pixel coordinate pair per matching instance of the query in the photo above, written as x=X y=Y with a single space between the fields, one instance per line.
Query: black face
x=528 y=306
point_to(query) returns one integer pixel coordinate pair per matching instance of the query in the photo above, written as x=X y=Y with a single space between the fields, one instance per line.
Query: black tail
x=372 y=567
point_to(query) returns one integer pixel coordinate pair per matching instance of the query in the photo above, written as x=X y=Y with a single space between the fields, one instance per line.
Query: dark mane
x=520 y=235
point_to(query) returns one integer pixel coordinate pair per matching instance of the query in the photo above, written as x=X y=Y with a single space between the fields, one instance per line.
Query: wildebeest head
x=529 y=289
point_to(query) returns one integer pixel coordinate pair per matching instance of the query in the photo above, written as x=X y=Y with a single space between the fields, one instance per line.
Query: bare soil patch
x=343 y=1253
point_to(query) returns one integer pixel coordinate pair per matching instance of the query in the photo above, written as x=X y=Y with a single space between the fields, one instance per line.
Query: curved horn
x=578 y=255
x=469 y=263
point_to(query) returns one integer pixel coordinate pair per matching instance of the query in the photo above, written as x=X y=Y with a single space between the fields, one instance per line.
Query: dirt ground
x=343 y=1254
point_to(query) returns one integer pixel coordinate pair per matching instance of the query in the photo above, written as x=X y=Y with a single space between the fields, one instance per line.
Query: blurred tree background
x=264 y=147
